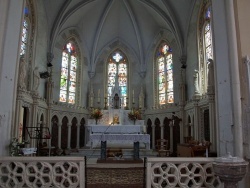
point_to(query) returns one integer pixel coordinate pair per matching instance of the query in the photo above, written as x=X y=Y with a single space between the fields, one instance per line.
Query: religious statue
x=36 y=79
x=196 y=84
x=116 y=101
x=22 y=73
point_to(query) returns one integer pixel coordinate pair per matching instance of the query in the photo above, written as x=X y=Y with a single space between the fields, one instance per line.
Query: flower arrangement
x=96 y=114
x=15 y=147
x=134 y=115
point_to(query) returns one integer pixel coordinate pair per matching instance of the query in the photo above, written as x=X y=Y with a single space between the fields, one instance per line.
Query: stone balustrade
x=42 y=172
x=181 y=172
x=70 y=172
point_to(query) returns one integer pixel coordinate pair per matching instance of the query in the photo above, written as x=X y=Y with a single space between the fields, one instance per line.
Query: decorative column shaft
x=18 y=111
x=153 y=137
x=171 y=138
x=196 y=121
x=59 y=136
x=69 y=135
x=162 y=131
x=78 y=136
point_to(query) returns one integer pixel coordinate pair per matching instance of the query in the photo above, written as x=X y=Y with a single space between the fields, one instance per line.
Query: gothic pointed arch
x=117 y=69
x=205 y=43
x=163 y=75
x=27 y=45
x=69 y=73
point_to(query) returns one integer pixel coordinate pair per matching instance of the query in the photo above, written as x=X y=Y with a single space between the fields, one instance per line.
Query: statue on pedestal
x=196 y=82
x=36 y=79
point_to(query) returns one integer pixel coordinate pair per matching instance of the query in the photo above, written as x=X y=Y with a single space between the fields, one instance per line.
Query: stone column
x=182 y=96
x=247 y=62
x=171 y=137
x=162 y=131
x=211 y=101
x=192 y=129
x=50 y=86
x=69 y=136
x=35 y=107
x=229 y=122
x=18 y=111
x=235 y=78
x=196 y=120
x=78 y=136
x=59 y=135
x=153 y=137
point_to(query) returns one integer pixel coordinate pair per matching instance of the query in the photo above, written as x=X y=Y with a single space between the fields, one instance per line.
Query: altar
x=115 y=122
x=136 y=139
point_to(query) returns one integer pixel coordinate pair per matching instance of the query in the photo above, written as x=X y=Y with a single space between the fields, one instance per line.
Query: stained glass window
x=165 y=74
x=25 y=31
x=68 y=74
x=205 y=44
x=207 y=36
x=117 y=73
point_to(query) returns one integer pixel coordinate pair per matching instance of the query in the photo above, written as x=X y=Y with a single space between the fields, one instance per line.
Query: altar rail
x=69 y=172
x=42 y=172
x=181 y=172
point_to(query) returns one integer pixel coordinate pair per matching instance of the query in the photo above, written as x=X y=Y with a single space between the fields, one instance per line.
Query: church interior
x=166 y=74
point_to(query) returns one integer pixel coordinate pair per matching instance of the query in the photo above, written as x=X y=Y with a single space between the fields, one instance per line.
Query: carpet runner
x=115 y=177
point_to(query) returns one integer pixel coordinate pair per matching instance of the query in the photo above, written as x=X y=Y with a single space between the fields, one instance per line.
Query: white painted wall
x=9 y=38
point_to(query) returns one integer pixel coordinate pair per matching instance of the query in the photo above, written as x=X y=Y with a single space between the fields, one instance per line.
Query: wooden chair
x=162 y=148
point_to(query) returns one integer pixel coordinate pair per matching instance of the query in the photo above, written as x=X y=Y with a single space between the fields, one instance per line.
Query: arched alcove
x=54 y=131
x=64 y=133
x=157 y=129
x=82 y=133
x=149 y=130
x=73 y=141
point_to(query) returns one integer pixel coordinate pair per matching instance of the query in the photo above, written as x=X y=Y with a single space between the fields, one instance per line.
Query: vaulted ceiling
x=134 y=22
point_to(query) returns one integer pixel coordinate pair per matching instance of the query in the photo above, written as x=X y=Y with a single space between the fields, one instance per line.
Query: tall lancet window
x=25 y=31
x=117 y=76
x=68 y=74
x=205 y=43
x=165 y=74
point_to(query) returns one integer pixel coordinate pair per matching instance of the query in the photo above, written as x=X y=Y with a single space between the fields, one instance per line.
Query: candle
x=98 y=92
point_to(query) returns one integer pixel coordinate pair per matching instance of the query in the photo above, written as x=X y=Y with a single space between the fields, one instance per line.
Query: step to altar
x=126 y=153
x=120 y=161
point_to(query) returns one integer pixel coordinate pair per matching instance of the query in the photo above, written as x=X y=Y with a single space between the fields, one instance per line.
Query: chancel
x=160 y=79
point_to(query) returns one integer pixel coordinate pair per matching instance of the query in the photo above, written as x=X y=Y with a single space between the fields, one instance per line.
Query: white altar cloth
x=116 y=129
x=125 y=138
